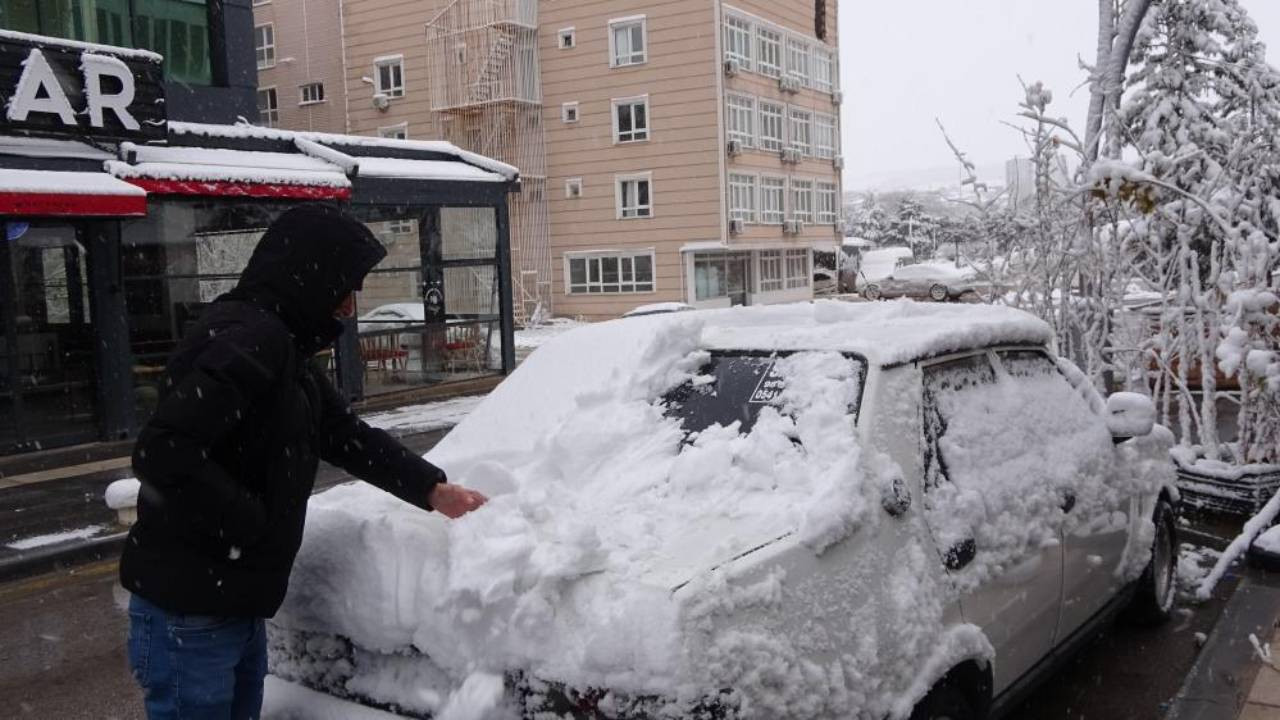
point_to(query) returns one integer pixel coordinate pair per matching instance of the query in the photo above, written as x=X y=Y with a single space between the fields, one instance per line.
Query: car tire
x=1157 y=588
x=945 y=702
x=939 y=293
x=871 y=292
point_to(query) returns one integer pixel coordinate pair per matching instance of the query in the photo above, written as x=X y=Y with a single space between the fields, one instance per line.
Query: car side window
x=946 y=386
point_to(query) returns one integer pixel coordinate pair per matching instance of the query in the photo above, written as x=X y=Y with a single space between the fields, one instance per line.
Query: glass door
x=739 y=278
x=47 y=395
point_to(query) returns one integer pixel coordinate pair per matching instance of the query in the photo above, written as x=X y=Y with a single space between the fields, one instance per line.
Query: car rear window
x=733 y=387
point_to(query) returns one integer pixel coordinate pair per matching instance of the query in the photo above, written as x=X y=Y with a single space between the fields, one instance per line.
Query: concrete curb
x=1219 y=683
x=61 y=557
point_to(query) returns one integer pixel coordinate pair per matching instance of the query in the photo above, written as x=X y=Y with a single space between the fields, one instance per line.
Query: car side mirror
x=1130 y=415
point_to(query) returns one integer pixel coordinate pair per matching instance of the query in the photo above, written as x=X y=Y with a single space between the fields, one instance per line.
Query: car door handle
x=961 y=555
x=1068 y=502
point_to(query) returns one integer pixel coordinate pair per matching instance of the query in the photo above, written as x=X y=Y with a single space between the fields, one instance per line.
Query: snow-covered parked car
x=825 y=510
x=934 y=281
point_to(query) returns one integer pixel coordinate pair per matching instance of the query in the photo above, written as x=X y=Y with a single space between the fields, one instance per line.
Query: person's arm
x=376 y=457
x=172 y=455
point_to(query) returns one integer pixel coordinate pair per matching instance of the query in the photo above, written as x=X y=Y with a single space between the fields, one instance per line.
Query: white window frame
x=743 y=200
x=740 y=108
x=798 y=269
x=826 y=136
x=302 y=93
x=826 y=202
x=800 y=129
x=393 y=132
x=772 y=271
x=801 y=188
x=798 y=60
x=623 y=257
x=768 y=214
x=272 y=119
x=770 y=142
x=266 y=51
x=637 y=134
x=633 y=57
x=570 y=34
x=775 y=38
x=573 y=188
x=570 y=112
x=823 y=64
x=739 y=40
x=390 y=61
x=637 y=212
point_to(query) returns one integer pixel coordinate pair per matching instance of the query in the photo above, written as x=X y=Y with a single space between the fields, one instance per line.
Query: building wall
x=308 y=39
x=380 y=28
x=683 y=151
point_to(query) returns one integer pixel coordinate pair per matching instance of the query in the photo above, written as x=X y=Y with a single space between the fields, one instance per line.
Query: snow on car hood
x=599 y=509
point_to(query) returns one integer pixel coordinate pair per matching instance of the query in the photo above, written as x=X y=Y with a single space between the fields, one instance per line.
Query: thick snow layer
x=659 y=308
x=50 y=148
x=426 y=170
x=65 y=183
x=215 y=165
x=123 y=494
x=261 y=133
x=1269 y=541
x=133 y=53
x=40 y=541
x=287 y=701
x=944 y=271
x=880 y=264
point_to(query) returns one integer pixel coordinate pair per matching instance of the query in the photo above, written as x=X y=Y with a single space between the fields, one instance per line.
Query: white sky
x=906 y=62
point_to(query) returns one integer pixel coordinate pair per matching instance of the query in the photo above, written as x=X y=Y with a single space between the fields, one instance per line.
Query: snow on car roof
x=217 y=165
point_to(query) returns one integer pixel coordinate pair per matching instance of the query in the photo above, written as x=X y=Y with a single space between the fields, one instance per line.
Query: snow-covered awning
x=28 y=193
x=234 y=173
x=721 y=246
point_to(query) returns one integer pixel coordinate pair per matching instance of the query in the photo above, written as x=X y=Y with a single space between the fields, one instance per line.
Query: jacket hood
x=310 y=258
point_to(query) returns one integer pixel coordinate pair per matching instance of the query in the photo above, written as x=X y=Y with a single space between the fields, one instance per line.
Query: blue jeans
x=196 y=667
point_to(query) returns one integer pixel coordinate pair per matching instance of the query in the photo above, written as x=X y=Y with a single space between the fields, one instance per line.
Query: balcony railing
x=483 y=52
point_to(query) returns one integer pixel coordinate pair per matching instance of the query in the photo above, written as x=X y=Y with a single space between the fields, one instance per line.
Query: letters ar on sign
x=52 y=88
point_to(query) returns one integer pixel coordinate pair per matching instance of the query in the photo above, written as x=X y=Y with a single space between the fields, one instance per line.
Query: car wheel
x=939 y=293
x=1157 y=589
x=944 y=702
x=871 y=292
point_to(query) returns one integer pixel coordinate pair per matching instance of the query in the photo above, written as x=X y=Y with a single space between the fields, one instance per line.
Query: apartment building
x=671 y=151
x=301 y=77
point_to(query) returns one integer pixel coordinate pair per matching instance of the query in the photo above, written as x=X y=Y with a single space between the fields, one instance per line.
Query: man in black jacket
x=228 y=462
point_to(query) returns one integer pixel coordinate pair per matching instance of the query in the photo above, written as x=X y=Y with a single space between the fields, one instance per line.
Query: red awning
x=241 y=189
x=46 y=193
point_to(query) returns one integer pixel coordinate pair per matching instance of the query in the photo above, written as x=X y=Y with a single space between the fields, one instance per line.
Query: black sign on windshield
x=770 y=387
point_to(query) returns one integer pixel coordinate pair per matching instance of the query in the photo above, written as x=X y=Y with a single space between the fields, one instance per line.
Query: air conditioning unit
x=837 y=98
x=732 y=68
x=734 y=148
x=381 y=102
x=791 y=156
x=737 y=227
x=789 y=84
x=793 y=227
x=838 y=162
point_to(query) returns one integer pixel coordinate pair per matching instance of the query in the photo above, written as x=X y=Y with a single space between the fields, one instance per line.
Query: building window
x=569 y=112
x=610 y=273
x=635 y=196
x=388 y=73
x=742 y=197
x=824 y=70
x=773 y=198
x=573 y=188
x=772 y=278
x=802 y=200
x=771 y=126
x=311 y=93
x=798 y=60
x=801 y=130
x=631 y=119
x=264 y=44
x=401 y=227
x=568 y=39
x=742 y=119
x=798 y=275
x=824 y=140
x=768 y=51
x=628 y=44
x=737 y=40
x=395 y=132
x=268 y=107
x=828 y=208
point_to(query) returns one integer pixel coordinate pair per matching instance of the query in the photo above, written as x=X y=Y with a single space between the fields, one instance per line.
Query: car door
x=996 y=526
x=1095 y=530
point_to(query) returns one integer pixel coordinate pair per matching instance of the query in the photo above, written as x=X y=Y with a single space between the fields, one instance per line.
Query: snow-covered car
x=395 y=316
x=867 y=266
x=825 y=510
x=934 y=281
x=659 y=309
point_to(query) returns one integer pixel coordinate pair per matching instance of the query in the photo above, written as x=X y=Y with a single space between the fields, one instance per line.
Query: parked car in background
x=823 y=510
x=925 y=281
x=863 y=265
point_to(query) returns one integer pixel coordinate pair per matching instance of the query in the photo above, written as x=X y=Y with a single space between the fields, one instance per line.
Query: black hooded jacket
x=229 y=459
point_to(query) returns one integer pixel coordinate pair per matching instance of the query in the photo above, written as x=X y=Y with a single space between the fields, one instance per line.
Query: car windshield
x=734 y=387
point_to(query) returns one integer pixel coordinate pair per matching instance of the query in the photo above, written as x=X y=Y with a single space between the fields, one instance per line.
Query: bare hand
x=454 y=501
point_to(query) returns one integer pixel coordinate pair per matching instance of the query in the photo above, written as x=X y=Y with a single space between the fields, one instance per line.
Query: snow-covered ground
x=40 y=541
x=534 y=338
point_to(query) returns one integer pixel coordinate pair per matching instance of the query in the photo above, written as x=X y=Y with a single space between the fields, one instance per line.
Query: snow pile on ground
x=40 y=541
x=425 y=418
x=1194 y=564
x=123 y=494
